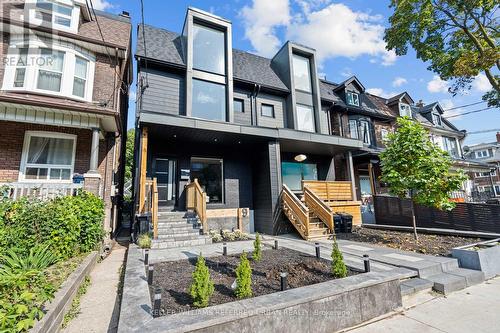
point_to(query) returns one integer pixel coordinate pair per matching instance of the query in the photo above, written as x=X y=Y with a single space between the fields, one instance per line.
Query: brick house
x=64 y=99
x=487 y=182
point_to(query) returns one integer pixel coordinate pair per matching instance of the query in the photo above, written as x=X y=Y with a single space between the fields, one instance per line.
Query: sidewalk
x=99 y=308
x=472 y=310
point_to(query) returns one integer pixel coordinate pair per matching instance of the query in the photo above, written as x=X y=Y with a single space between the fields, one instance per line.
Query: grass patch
x=75 y=305
x=59 y=272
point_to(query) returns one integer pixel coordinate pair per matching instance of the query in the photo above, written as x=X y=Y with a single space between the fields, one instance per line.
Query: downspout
x=252 y=106
x=255 y=101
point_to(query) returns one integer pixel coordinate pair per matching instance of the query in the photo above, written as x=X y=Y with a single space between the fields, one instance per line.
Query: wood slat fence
x=465 y=216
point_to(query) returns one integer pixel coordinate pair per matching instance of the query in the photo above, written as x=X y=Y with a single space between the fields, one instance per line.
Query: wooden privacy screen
x=465 y=216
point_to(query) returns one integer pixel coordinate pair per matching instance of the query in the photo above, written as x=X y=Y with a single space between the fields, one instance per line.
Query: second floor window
x=267 y=110
x=450 y=145
x=80 y=79
x=50 y=72
x=301 y=73
x=404 y=110
x=383 y=134
x=238 y=105
x=360 y=129
x=209 y=49
x=22 y=63
x=352 y=98
x=305 y=118
x=209 y=100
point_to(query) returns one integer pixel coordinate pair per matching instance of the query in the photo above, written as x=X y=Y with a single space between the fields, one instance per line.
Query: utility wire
x=146 y=85
x=485 y=131
x=464 y=106
x=469 y=112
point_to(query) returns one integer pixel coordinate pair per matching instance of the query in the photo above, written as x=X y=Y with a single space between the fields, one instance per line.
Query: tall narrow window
x=353 y=129
x=51 y=69
x=302 y=73
x=80 y=79
x=436 y=119
x=209 y=100
x=365 y=132
x=208 y=171
x=22 y=62
x=209 y=49
x=305 y=118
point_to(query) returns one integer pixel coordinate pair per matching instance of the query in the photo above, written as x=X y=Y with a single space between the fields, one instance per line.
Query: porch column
x=351 y=175
x=92 y=179
x=142 y=168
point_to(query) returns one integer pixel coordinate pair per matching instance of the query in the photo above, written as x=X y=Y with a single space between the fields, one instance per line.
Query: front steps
x=179 y=229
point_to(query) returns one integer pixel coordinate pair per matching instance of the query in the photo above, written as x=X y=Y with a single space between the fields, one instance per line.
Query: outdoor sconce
x=300 y=158
x=244 y=212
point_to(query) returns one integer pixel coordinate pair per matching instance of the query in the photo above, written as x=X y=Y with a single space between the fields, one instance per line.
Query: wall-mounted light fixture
x=300 y=158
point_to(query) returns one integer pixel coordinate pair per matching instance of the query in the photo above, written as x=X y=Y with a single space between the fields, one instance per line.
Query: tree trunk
x=414 y=220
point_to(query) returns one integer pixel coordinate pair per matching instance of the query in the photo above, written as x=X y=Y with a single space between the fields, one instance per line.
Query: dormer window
x=482 y=153
x=404 y=110
x=352 y=98
x=436 y=119
x=55 y=14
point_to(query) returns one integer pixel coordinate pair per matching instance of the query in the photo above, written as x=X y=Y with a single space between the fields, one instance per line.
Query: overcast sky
x=347 y=36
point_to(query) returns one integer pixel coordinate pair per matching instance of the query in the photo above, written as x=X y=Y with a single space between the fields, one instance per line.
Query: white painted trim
x=29 y=13
x=47 y=134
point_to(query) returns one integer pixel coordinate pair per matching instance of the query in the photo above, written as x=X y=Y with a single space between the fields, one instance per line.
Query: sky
x=347 y=36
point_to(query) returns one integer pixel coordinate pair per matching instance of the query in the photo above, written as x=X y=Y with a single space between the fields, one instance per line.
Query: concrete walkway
x=99 y=308
x=472 y=310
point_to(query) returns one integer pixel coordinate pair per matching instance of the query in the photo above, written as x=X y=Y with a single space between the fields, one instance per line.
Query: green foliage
x=144 y=241
x=257 y=251
x=412 y=164
x=90 y=212
x=39 y=258
x=459 y=39
x=243 y=277
x=129 y=154
x=339 y=269
x=202 y=286
x=74 y=310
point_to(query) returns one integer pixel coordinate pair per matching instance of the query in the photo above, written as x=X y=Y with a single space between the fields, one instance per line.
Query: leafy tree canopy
x=129 y=154
x=412 y=164
x=459 y=38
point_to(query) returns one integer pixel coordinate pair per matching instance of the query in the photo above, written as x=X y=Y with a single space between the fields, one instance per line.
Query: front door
x=367 y=212
x=165 y=176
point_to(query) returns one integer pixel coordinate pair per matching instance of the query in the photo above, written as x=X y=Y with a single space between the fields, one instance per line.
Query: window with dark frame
x=238 y=105
x=267 y=110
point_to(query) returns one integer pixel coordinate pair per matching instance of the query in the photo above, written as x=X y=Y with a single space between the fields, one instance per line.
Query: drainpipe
x=255 y=101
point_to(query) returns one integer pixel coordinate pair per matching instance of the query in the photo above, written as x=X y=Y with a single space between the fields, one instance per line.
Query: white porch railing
x=38 y=190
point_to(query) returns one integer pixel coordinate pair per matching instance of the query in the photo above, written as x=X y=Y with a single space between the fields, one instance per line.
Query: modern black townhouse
x=249 y=142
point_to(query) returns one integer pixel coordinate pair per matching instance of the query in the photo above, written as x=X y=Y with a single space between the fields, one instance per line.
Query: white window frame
x=404 y=110
x=24 y=157
x=497 y=189
x=31 y=9
x=354 y=98
x=354 y=134
x=365 y=131
x=482 y=153
x=436 y=119
x=383 y=134
x=31 y=75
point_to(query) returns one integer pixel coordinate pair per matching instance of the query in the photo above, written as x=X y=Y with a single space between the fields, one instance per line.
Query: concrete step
x=177 y=229
x=172 y=243
x=176 y=235
x=472 y=277
x=173 y=224
x=412 y=286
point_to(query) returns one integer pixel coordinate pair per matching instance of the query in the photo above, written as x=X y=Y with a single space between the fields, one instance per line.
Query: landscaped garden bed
x=440 y=245
x=175 y=277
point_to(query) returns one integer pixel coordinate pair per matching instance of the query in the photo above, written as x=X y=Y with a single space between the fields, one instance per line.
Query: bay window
x=48 y=156
x=63 y=71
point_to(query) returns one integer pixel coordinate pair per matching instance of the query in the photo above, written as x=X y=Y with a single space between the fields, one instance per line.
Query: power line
x=485 y=131
x=469 y=112
x=143 y=87
x=464 y=106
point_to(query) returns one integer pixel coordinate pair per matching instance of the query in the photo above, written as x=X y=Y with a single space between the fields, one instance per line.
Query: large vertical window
x=294 y=173
x=209 y=100
x=80 y=79
x=51 y=70
x=209 y=49
x=365 y=132
x=353 y=129
x=22 y=63
x=450 y=145
x=208 y=171
x=305 y=118
x=302 y=73
x=48 y=156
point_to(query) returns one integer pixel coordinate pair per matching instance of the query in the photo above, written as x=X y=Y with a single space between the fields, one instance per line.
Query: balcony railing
x=38 y=190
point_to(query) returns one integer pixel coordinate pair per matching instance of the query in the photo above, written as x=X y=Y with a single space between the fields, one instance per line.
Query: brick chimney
x=498 y=137
x=420 y=104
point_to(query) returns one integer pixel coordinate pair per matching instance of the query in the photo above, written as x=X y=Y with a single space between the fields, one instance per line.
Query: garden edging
x=61 y=303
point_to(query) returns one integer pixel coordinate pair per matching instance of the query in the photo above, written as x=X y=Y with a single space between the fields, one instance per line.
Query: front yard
x=439 y=245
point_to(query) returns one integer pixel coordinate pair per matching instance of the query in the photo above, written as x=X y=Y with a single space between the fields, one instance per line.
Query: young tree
x=129 y=154
x=257 y=252
x=414 y=167
x=459 y=38
x=202 y=286
x=339 y=269
x=243 y=277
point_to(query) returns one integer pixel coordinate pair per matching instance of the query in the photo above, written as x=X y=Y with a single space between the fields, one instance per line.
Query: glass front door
x=294 y=173
x=165 y=176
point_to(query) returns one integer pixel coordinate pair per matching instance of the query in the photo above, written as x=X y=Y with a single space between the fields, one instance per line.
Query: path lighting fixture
x=283 y=281
x=300 y=158
x=146 y=256
x=150 y=274
x=157 y=303
x=366 y=260
x=224 y=249
x=318 y=254
x=275 y=244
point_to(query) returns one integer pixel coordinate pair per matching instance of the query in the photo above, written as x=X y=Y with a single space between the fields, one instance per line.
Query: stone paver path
x=99 y=309
x=472 y=310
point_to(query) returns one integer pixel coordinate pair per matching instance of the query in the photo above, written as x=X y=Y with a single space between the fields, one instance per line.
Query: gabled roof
x=352 y=79
x=430 y=107
x=398 y=97
x=326 y=89
x=165 y=46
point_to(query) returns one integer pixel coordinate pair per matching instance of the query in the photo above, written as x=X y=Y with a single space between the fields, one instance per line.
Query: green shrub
x=257 y=251
x=243 y=278
x=90 y=210
x=202 y=286
x=339 y=269
x=144 y=241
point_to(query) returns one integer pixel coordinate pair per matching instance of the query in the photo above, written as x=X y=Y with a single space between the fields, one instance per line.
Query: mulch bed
x=439 y=245
x=175 y=277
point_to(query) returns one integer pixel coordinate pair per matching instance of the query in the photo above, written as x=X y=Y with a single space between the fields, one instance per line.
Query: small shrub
x=228 y=235
x=239 y=235
x=243 y=278
x=257 y=251
x=215 y=235
x=202 y=286
x=144 y=241
x=339 y=269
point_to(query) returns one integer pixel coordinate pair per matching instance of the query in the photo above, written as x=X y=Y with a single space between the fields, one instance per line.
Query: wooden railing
x=151 y=203
x=319 y=207
x=38 y=190
x=296 y=211
x=196 y=199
